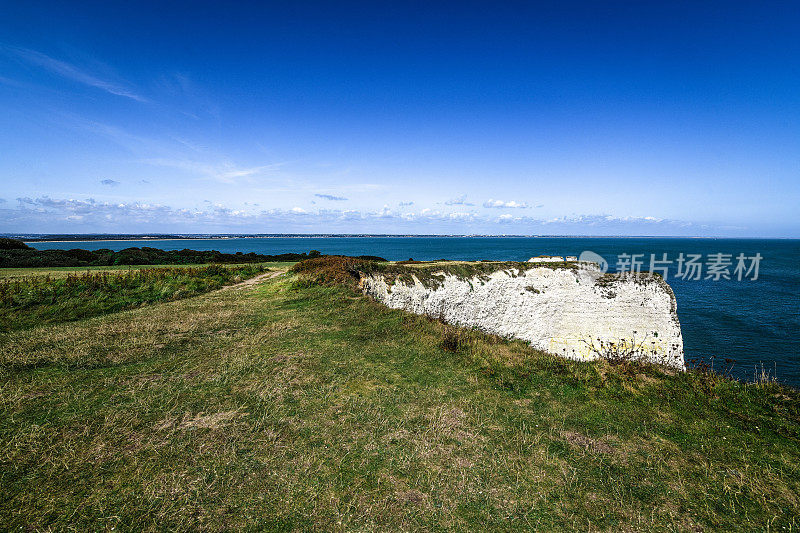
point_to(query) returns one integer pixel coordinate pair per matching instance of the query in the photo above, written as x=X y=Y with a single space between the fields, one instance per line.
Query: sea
x=739 y=309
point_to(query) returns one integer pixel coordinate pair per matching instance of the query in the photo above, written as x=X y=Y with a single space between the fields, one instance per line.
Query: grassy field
x=62 y=272
x=290 y=405
x=30 y=301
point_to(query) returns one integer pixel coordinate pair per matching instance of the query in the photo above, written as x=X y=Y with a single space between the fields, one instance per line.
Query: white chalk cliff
x=573 y=312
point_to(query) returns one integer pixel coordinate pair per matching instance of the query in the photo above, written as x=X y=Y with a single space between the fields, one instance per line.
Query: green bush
x=30 y=257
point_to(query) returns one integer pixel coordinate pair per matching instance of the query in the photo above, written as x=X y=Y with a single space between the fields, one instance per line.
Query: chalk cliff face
x=577 y=313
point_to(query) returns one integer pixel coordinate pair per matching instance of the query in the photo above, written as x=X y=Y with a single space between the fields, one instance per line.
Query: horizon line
x=76 y=237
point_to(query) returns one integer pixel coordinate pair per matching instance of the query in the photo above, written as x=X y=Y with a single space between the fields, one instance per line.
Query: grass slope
x=36 y=300
x=296 y=406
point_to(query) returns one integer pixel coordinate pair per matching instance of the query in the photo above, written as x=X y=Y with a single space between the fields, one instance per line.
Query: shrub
x=452 y=340
x=13 y=244
x=331 y=269
x=30 y=257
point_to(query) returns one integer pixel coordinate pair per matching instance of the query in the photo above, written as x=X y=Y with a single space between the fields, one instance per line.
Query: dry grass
x=288 y=406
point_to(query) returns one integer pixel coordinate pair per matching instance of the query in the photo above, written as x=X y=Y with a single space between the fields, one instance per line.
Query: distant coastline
x=62 y=238
x=172 y=237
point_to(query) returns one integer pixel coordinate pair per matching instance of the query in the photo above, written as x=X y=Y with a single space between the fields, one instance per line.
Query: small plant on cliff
x=451 y=338
x=621 y=352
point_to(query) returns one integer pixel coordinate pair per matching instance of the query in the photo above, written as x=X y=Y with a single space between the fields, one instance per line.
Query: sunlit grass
x=34 y=300
x=299 y=406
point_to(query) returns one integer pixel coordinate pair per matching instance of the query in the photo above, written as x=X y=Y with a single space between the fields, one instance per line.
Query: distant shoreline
x=86 y=239
x=137 y=240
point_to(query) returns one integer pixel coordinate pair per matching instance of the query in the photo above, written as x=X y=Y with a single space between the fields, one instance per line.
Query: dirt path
x=252 y=281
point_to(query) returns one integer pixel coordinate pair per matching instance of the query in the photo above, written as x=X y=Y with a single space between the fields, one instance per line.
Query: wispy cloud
x=405 y=204
x=461 y=200
x=331 y=197
x=225 y=172
x=72 y=72
x=501 y=204
x=109 y=182
x=175 y=153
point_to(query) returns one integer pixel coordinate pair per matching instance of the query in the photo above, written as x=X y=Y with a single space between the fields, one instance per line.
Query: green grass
x=26 y=302
x=291 y=405
x=56 y=272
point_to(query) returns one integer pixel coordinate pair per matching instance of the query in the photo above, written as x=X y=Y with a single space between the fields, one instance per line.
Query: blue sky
x=595 y=118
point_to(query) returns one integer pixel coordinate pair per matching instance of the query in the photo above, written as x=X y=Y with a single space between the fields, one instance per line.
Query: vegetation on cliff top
x=349 y=270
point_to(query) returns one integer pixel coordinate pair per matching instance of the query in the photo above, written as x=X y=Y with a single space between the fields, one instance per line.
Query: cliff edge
x=574 y=311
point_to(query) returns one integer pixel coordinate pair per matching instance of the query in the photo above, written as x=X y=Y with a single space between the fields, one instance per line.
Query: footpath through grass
x=297 y=406
x=30 y=301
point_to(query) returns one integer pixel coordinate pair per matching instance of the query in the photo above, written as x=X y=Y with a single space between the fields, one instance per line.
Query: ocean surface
x=738 y=326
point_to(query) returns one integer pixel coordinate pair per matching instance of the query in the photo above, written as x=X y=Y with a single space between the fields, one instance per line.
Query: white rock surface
x=570 y=312
x=546 y=259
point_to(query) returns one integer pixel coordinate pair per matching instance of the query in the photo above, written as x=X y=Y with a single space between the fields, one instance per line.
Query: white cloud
x=502 y=204
x=224 y=172
x=461 y=200
x=331 y=197
x=48 y=215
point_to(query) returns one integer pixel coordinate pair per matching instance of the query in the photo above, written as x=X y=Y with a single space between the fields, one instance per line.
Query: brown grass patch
x=579 y=440
x=197 y=420
x=210 y=421
x=411 y=496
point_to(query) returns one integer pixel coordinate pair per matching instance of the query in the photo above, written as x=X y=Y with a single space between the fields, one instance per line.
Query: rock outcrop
x=577 y=313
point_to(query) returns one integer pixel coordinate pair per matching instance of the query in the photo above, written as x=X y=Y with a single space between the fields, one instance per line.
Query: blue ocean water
x=749 y=322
